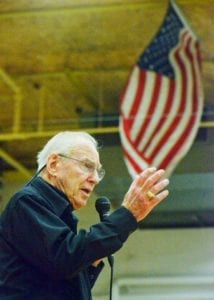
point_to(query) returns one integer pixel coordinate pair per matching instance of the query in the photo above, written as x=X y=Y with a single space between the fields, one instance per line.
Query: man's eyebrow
x=93 y=162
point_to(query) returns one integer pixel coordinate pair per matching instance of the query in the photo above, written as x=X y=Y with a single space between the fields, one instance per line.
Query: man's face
x=75 y=173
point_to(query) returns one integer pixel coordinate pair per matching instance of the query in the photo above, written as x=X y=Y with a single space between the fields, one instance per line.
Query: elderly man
x=42 y=255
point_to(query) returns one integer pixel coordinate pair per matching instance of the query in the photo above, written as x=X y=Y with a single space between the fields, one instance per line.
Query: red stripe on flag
x=137 y=98
x=122 y=97
x=125 y=126
x=151 y=110
x=192 y=121
x=182 y=105
x=163 y=104
x=169 y=101
x=132 y=161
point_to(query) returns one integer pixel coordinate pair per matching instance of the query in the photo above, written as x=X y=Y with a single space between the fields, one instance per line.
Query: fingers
x=142 y=180
x=155 y=186
x=143 y=177
x=150 y=176
x=146 y=191
x=151 y=181
x=161 y=196
x=158 y=187
x=158 y=198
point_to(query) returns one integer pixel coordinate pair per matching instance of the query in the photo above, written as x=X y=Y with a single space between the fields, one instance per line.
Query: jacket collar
x=56 y=198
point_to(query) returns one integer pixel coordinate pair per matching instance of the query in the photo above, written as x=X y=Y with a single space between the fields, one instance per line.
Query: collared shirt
x=42 y=256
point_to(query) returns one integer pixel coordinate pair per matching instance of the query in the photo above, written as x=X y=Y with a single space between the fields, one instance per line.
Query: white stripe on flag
x=186 y=114
x=129 y=147
x=162 y=103
x=158 y=114
x=130 y=91
x=145 y=101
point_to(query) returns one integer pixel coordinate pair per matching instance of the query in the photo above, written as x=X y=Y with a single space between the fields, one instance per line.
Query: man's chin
x=80 y=204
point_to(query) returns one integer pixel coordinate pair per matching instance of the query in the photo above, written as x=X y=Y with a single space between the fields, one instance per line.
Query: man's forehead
x=85 y=148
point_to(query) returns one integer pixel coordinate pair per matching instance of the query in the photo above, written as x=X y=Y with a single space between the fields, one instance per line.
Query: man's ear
x=52 y=163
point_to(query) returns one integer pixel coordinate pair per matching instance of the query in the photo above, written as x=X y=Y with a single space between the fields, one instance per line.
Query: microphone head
x=102 y=205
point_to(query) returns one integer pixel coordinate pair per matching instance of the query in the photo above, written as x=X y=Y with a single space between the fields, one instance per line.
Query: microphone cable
x=111 y=264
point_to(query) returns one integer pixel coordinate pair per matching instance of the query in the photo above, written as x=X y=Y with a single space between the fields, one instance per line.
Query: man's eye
x=89 y=165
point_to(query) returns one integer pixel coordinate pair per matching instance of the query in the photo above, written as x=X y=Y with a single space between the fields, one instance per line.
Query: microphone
x=102 y=206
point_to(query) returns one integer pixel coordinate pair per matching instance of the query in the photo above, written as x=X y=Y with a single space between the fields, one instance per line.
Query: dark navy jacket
x=42 y=256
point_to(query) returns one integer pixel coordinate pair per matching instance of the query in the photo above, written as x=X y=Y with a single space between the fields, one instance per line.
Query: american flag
x=162 y=103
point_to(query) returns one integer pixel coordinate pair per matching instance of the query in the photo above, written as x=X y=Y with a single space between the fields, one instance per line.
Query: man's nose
x=94 y=177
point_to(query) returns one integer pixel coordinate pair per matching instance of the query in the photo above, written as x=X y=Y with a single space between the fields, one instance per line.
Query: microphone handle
x=110 y=257
x=102 y=206
x=103 y=216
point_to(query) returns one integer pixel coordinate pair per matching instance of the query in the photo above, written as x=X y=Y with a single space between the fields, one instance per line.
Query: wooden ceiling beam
x=14 y=163
x=48 y=133
x=17 y=98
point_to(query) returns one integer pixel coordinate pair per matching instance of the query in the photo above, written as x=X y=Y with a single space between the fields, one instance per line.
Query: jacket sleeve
x=46 y=242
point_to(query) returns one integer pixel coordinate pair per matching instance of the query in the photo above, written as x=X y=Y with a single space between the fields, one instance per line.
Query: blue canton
x=156 y=56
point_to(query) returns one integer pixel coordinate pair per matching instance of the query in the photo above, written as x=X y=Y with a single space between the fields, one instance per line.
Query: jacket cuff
x=124 y=221
x=94 y=272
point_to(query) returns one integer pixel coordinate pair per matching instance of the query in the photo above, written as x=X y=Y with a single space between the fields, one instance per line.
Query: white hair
x=63 y=142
